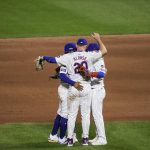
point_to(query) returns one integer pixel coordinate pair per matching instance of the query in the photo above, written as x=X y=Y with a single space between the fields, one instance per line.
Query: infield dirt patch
x=29 y=96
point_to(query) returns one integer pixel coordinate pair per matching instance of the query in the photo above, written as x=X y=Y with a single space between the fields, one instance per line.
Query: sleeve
x=100 y=70
x=103 y=70
x=102 y=67
x=49 y=59
x=63 y=76
x=98 y=75
x=66 y=79
x=101 y=74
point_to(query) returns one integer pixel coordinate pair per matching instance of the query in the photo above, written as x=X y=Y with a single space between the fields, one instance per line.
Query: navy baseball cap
x=82 y=42
x=70 y=47
x=93 y=47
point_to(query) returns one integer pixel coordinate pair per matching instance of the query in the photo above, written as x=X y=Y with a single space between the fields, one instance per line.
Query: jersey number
x=83 y=63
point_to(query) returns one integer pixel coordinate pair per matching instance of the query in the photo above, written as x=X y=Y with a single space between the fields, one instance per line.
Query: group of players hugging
x=81 y=70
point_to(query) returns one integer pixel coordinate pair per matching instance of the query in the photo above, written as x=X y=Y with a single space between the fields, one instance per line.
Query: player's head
x=70 y=47
x=93 y=47
x=82 y=44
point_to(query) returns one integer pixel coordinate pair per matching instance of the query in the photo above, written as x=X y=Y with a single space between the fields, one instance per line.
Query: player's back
x=76 y=59
x=73 y=60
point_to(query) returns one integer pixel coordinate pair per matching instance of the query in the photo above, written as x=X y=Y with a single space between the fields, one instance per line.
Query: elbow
x=105 y=52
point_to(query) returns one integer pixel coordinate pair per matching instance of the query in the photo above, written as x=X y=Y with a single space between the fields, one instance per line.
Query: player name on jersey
x=80 y=58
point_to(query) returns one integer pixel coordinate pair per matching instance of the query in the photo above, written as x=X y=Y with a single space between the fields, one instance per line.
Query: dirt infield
x=29 y=96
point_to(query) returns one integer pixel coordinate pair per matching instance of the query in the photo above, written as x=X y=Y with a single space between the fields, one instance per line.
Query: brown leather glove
x=84 y=72
x=39 y=63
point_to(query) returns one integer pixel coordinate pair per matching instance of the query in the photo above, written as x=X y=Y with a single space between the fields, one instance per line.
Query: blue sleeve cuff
x=64 y=78
x=49 y=59
x=101 y=74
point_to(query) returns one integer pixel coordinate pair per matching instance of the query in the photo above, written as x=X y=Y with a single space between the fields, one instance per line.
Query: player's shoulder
x=92 y=52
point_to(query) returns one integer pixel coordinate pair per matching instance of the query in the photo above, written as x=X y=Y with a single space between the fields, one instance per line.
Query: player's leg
x=53 y=135
x=85 y=106
x=63 y=93
x=97 y=106
x=63 y=128
x=70 y=98
x=72 y=115
x=85 y=116
x=92 y=140
x=61 y=117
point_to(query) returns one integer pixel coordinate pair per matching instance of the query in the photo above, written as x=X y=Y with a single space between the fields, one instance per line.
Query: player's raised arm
x=96 y=36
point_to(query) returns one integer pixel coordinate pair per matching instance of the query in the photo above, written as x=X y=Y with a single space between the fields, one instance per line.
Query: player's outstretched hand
x=78 y=86
x=96 y=36
x=39 y=63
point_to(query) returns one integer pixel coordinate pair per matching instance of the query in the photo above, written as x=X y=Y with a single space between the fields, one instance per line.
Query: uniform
x=62 y=114
x=79 y=98
x=97 y=96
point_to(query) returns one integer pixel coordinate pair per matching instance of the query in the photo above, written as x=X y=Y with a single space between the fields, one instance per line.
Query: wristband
x=93 y=74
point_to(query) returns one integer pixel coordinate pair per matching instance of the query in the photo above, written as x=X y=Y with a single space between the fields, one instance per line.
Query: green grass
x=120 y=135
x=27 y=18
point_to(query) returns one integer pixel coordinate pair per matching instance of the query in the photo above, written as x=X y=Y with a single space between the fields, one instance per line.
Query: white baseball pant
x=97 y=96
x=63 y=95
x=79 y=99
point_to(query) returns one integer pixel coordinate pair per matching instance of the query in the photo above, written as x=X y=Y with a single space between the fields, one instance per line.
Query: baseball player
x=97 y=97
x=62 y=113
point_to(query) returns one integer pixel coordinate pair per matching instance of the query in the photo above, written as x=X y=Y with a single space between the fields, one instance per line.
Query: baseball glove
x=39 y=63
x=83 y=72
x=56 y=75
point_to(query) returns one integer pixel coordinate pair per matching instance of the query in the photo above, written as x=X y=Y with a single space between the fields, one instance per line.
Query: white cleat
x=75 y=138
x=62 y=141
x=93 y=140
x=99 y=142
x=53 y=138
